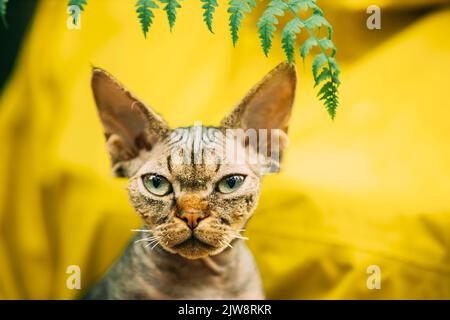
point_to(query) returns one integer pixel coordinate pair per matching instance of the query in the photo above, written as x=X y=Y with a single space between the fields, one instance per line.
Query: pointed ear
x=130 y=127
x=268 y=105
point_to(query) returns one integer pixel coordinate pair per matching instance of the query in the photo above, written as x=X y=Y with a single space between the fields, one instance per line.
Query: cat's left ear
x=268 y=105
x=130 y=127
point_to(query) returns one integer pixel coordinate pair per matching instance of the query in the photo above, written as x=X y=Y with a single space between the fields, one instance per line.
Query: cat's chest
x=201 y=284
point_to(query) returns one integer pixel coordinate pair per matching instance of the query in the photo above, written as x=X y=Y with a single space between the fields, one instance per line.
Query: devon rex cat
x=195 y=189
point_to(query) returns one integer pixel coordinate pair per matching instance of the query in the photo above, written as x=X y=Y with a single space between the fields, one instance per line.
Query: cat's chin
x=193 y=248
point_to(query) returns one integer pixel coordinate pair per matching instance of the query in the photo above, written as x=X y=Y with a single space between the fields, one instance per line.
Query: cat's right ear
x=130 y=127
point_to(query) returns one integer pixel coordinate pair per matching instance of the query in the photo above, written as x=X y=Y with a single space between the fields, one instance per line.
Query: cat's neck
x=229 y=274
x=219 y=264
x=146 y=273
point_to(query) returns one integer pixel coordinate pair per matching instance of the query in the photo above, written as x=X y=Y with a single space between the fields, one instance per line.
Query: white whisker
x=151 y=242
x=140 y=230
x=146 y=239
x=154 y=246
x=225 y=242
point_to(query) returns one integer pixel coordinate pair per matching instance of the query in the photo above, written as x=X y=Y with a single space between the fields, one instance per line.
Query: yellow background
x=370 y=188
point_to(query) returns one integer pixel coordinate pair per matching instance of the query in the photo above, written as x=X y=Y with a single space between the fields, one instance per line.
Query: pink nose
x=192 y=218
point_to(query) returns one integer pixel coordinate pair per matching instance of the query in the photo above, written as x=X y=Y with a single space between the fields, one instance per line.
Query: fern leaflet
x=209 y=7
x=80 y=4
x=237 y=9
x=324 y=66
x=170 y=8
x=268 y=21
x=288 y=37
x=3 y=4
x=145 y=14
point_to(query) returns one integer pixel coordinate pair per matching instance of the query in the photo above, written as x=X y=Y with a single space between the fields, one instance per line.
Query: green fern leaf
x=80 y=4
x=170 y=8
x=324 y=66
x=324 y=43
x=330 y=74
x=317 y=21
x=329 y=95
x=307 y=46
x=209 y=8
x=268 y=21
x=3 y=5
x=324 y=75
x=334 y=65
x=298 y=5
x=237 y=9
x=289 y=35
x=318 y=62
x=145 y=14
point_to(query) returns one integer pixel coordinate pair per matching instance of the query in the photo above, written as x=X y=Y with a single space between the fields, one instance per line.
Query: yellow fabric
x=370 y=188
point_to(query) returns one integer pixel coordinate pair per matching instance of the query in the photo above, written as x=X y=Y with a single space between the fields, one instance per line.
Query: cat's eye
x=230 y=183
x=158 y=185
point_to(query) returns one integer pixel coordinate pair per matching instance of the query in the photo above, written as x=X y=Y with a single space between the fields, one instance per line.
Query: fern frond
x=318 y=62
x=324 y=66
x=298 y=5
x=145 y=14
x=317 y=21
x=3 y=5
x=289 y=35
x=209 y=7
x=311 y=42
x=268 y=21
x=237 y=10
x=329 y=95
x=329 y=73
x=80 y=4
x=170 y=8
x=307 y=46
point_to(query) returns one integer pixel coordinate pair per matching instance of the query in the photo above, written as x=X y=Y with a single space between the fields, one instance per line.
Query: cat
x=194 y=192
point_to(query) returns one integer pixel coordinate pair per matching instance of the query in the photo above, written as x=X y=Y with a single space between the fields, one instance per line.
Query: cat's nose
x=192 y=209
x=192 y=217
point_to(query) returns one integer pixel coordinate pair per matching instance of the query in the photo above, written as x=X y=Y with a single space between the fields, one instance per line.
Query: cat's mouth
x=193 y=243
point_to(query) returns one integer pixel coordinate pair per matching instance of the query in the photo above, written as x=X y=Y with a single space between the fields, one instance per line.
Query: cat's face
x=196 y=187
x=195 y=207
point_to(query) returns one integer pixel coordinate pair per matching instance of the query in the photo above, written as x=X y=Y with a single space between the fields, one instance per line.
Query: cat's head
x=196 y=187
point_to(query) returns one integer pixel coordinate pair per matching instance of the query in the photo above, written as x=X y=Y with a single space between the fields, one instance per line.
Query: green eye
x=230 y=183
x=158 y=185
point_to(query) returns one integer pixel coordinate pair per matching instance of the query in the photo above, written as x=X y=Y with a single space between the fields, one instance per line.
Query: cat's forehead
x=196 y=155
x=194 y=138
